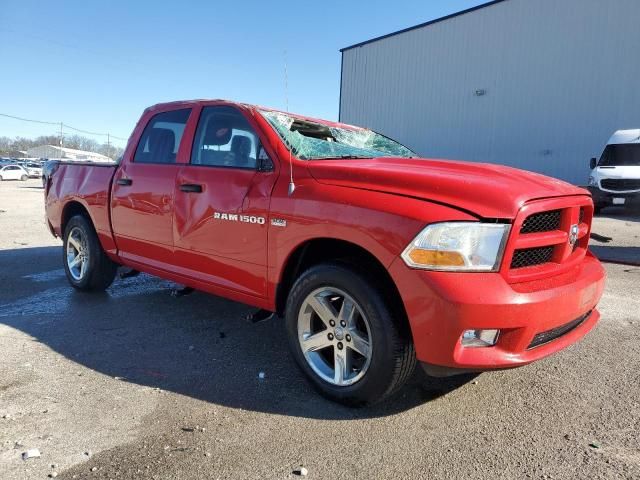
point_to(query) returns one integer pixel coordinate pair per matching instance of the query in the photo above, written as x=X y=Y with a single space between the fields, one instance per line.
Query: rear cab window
x=161 y=138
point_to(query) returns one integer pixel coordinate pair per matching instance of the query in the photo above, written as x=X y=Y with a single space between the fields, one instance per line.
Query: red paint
x=442 y=305
x=379 y=204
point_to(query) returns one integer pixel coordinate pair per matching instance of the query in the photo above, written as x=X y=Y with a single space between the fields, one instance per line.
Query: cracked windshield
x=310 y=140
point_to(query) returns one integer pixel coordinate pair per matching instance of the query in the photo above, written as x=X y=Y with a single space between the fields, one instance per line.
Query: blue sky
x=97 y=65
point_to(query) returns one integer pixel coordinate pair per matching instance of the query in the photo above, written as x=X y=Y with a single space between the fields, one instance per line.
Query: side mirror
x=593 y=163
x=265 y=164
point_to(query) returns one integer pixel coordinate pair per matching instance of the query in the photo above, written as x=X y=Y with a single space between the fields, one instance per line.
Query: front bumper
x=442 y=305
x=602 y=198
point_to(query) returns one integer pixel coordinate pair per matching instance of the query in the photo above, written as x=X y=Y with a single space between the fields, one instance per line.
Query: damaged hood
x=489 y=191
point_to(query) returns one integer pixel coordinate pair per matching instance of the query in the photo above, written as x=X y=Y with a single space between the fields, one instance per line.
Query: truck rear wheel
x=87 y=266
x=344 y=338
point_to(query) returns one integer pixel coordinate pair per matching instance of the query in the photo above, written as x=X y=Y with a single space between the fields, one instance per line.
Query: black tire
x=24 y=178
x=597 y=209
x=392 y=355
x=101 y=271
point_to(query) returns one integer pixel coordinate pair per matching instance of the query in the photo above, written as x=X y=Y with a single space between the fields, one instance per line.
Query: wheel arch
x=70 y=210
x=324 y=250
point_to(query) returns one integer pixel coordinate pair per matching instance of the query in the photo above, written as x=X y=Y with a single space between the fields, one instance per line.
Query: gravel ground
x=22 y=216
x=136 y=383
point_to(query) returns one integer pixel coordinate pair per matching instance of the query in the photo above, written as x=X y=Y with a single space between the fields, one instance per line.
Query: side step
x=260 y=316
x=129 y=274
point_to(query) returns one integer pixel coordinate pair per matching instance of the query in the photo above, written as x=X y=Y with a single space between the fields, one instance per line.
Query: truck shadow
x=613 y=254
x=621 y=213
x=605 y=247
x=198 y=345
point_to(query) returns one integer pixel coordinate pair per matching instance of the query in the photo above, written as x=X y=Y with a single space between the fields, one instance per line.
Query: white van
x=615 y=177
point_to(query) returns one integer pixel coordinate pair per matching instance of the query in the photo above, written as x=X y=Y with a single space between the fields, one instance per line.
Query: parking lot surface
x=136 y=383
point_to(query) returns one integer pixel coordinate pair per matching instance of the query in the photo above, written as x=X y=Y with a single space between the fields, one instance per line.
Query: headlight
x=458 y=246
x=592 y=181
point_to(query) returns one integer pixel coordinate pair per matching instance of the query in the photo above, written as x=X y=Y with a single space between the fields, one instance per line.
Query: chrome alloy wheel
x=77 y=253
x=334 y=336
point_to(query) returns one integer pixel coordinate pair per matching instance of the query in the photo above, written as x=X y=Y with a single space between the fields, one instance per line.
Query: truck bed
x=71 y=185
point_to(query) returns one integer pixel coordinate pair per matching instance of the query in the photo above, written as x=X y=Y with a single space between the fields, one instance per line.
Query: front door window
x=224 y=139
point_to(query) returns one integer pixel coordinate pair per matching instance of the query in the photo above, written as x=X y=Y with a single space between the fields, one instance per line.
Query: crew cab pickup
x=375 y=259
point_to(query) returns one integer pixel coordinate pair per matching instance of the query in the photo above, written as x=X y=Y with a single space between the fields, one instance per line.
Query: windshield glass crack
x=312 y=140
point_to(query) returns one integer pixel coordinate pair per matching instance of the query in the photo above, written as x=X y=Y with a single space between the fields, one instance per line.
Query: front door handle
x=191 y=188
x=124 y=181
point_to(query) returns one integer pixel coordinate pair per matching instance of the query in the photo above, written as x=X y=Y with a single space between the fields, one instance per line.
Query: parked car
x=34 y=170
x=615 y=177
x=47 y=169
x=13 y=172
x=375 y=258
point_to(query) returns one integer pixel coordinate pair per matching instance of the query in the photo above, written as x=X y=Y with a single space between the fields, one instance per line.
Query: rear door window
x=161 y=138
x=224 y=138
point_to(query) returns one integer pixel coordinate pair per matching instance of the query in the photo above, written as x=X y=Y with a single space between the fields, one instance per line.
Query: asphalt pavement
x=136 y=383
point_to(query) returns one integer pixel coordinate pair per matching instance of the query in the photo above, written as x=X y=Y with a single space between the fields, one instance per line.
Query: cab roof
x=247 y=106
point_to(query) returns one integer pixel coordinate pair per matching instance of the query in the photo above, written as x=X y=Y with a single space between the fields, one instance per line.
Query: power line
x=86 y=132
x=28 y=120
x=92 y=133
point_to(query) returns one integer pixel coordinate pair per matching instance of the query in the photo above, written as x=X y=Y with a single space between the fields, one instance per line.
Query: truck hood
x=488 y=191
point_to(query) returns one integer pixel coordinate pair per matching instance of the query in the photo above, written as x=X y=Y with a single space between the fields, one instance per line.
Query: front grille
x=542 y=222
x=621 y=184
x=529 y=257
x=546 y=337
x=540 y=245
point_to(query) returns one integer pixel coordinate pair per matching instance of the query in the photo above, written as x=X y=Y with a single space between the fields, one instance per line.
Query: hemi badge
x=278 y=222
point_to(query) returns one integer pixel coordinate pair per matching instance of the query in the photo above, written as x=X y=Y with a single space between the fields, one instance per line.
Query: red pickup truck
x=376 y=259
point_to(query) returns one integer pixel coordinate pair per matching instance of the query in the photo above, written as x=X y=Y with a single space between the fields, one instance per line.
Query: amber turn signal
x=436 y=258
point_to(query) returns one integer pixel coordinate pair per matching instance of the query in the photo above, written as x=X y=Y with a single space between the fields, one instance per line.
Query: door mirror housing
x=593 y=163
x=265 y=164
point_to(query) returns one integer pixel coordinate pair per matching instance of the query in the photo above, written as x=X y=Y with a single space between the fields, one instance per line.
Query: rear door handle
x=124 y=181
x=191 y=188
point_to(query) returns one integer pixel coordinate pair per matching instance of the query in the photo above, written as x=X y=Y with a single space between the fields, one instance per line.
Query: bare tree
x=8 y=145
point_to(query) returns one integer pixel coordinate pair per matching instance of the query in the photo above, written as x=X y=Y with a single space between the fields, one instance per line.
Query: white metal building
x=53 y=151
x=536 y=84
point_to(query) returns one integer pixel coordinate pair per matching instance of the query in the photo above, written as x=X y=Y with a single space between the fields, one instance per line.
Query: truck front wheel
x=344 y=337
x=87 y=266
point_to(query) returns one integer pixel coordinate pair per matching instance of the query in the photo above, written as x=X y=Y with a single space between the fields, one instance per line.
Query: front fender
x=381 y=223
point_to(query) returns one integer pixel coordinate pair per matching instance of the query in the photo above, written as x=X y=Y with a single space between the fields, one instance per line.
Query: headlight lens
x=458 y=246
x=592 y=181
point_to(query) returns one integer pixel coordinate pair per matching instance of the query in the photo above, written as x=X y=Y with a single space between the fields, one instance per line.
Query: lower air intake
x=550 y=335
